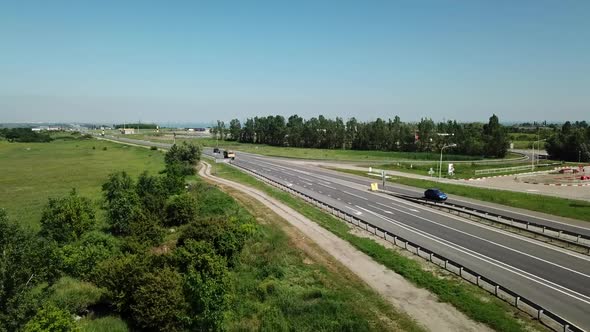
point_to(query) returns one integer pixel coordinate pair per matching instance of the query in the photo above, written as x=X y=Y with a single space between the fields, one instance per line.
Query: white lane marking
x=378 y=208
x=357 y=212
x=487 y=259
x=320 y=191
x=492 y=229
x=338 y=198
x=413 y=210
x=350 y=203
x=495 y=243
x=355 y=195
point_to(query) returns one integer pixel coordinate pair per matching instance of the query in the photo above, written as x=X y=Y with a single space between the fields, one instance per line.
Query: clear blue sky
x=199 y=61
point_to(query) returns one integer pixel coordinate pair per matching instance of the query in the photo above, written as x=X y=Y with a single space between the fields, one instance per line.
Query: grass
x=562 y=207
x=30 y=173
x=280 y=287
x=103 y=324
x=462 y=170
x=471 y=300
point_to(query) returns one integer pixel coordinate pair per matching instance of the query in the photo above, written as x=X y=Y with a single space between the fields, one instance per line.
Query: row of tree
x=571 y=142
x=128 y=269
x=476 y=139
x=25 y=135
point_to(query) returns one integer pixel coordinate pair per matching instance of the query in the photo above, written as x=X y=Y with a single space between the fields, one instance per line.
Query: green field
x=30 y=173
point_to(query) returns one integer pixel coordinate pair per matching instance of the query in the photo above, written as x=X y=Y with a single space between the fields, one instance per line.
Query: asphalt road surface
x=554 y=278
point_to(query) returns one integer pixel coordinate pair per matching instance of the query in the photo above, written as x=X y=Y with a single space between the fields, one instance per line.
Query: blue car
x=435 y=194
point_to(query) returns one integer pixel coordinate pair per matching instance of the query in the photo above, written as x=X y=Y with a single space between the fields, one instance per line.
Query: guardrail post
x=430 y=257
x=461 y=271
x=477 y=280
x=395 y=240
x=544 y=229
x=496 y=289
x=406 y=245
x=446 y=262
x=516 y=300
x=418 y=251
x=578 y=239
x=539 y=313
x=566 y=327
x=527 y=225
x=559 y=235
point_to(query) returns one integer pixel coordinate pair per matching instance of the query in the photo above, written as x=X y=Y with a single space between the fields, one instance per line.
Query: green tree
x=152 y=192
x=235 y=129
x=185 y=154
x=495 y=138
x=79 y=258
x=51 y=319
x=206 y=284
x=66 y=219
x=159 y=303
x=122 y=202
x=181 y=209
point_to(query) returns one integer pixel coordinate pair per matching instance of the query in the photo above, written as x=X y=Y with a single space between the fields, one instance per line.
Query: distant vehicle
x=215 y=150
x=435 y=194
x=229 y=154
x=585 y=177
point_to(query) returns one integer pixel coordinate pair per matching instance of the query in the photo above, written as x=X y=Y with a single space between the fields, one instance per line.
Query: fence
x=509 y=169
x=544 y=316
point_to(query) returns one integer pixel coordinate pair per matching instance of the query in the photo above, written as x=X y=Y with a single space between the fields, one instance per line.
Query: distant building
x=127 y=131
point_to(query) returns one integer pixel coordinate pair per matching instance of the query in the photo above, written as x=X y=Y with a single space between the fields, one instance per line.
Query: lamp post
x=441 y=154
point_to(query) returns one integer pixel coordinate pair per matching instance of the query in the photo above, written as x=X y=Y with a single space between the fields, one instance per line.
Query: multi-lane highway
x=554 y=278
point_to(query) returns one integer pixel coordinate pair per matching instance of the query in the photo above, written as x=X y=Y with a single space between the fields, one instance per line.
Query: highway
x=554 y=278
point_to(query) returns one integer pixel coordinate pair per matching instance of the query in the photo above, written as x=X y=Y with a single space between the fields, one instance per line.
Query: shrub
x=103 y=324
x=66 y=219
x=78 y=259
x=74 y=295
x=153 y=148
x=51 y=318
x=159 y=302
x=104 y=148
x=181 y=209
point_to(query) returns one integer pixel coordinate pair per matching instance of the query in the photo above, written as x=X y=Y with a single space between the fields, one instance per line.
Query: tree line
x=571 y=142
x=476 y=139
x=162 y=263
x=24 y=135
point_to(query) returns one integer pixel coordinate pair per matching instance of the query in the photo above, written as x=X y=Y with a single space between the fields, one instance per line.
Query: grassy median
x=469 y=299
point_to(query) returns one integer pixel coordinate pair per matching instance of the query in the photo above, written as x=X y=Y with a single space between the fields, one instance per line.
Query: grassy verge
x=563 y=207
x=30 y=173
x=462 y=171
x=471 y=300
x=282 y=285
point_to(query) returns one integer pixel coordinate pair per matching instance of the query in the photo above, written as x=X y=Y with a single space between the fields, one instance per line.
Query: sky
x=199 y=61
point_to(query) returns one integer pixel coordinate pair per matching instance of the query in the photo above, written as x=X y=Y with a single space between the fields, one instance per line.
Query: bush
x=53 y=319
x=206 y=284
x=74 y=295
x=104 y=148
x=78 y=259
x=120 y=276
x=66 y=219
x=181 y=209
x=187 y=155
x=153 y=148
x=159 y=302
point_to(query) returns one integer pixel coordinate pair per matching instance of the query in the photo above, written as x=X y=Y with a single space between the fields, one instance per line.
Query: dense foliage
x=24 y=135
x=134 y=268
x=489 y=140
x=571 y=142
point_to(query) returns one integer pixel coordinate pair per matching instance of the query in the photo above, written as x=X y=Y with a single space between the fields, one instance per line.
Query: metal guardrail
x=543 y=315
x=569 y=239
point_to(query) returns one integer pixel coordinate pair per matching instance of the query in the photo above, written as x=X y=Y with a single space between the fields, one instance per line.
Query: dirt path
x=418 y=303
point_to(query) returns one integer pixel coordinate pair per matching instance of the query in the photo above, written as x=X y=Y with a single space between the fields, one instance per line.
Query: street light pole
x=441 y=154
x=533 y=161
